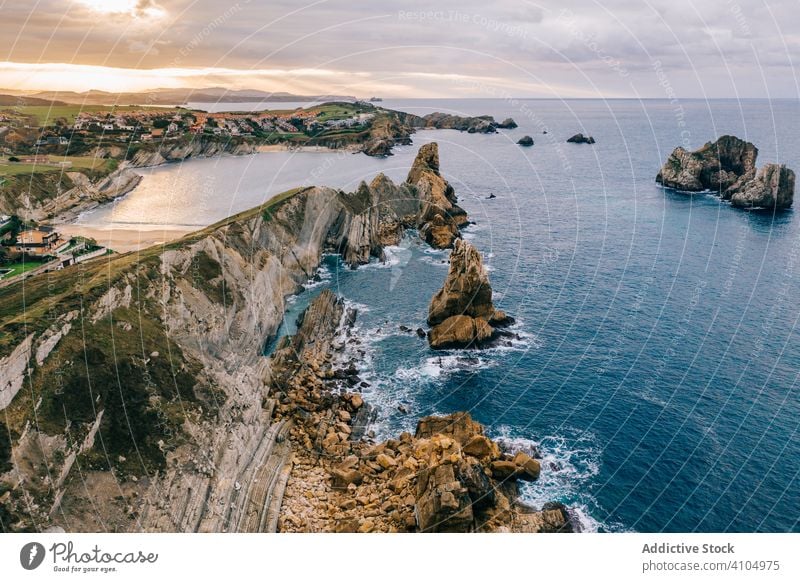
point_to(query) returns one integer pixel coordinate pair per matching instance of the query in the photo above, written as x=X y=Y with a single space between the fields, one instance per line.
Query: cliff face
x=158 y=356
x=199 y=147
x=728 y=167
x=176 y=330
x=47 y=195
x=462 y=314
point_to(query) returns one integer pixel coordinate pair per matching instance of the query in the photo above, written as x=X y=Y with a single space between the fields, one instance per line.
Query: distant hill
x=171 y=97
x=12 y=100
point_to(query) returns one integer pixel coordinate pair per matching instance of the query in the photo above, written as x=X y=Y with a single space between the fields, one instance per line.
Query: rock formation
x=772 y=188
x=728 y=168
x=212 y=436
x=440 y=217
x=447 y=477
x=580 y=138
x=507 y=123
x=462 y=314
x=525 y=141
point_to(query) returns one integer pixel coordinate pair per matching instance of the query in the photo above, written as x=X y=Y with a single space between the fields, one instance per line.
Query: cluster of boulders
x=727 y=167
x=461 y=314
x=448 y=476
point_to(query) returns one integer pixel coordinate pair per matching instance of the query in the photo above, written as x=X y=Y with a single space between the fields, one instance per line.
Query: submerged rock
x=526 y=141
x=580 y=138
x=728 y=168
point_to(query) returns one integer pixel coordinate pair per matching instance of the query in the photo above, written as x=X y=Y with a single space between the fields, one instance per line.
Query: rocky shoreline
x=213 y=436
x=447 y=477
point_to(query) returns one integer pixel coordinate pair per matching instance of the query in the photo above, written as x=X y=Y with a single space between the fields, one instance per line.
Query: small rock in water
x=402 y=409
x=421 y=332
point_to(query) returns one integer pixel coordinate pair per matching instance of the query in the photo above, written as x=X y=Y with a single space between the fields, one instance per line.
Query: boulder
x=580 y=138
x=385 y=461
x=526 y=141
x=442 y=503
x=481 y=447
x=772 y=188
x=343 y=476
x=507 y=123
x=527 y=467
x=460 y=331
x=502 y=470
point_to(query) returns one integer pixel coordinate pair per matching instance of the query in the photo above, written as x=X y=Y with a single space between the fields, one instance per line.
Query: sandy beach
x=354 y=148
x=126 y=239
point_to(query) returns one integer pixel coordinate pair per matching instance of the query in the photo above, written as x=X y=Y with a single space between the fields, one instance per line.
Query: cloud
x=577 y=47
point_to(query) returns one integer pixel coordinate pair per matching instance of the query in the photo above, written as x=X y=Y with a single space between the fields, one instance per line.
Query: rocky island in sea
x=462 y=314
x=210 y=435
x=727 y=167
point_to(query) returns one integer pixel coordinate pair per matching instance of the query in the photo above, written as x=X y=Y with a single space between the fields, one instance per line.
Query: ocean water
x=656 y=359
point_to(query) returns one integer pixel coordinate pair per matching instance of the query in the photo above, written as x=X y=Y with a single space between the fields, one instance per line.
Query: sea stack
x=440 y=216
x=461 y=314
x=728 y=168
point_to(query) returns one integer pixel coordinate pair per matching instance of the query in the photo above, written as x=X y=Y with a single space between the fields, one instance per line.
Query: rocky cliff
x=184 y=149
x=135 y=395
x=728 y=168
x=462 y=314
x=43 y=196
x=157 y=355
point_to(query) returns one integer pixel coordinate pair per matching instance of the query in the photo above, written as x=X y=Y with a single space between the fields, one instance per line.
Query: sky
x=499 y=48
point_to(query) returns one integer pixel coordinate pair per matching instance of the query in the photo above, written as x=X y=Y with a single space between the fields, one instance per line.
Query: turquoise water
x=657 y=358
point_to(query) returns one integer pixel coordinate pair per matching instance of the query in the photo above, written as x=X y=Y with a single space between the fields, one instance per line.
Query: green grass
x=332 y=111
x=78 y=163
x=45 y=115
x=18 y=269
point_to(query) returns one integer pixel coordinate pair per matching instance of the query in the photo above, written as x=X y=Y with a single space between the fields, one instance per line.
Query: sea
x=654 y=364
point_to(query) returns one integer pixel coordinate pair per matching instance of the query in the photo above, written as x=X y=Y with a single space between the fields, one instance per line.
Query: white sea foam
x=568 y=466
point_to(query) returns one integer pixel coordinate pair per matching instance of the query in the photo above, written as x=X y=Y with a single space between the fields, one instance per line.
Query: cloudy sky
x=548 y=48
